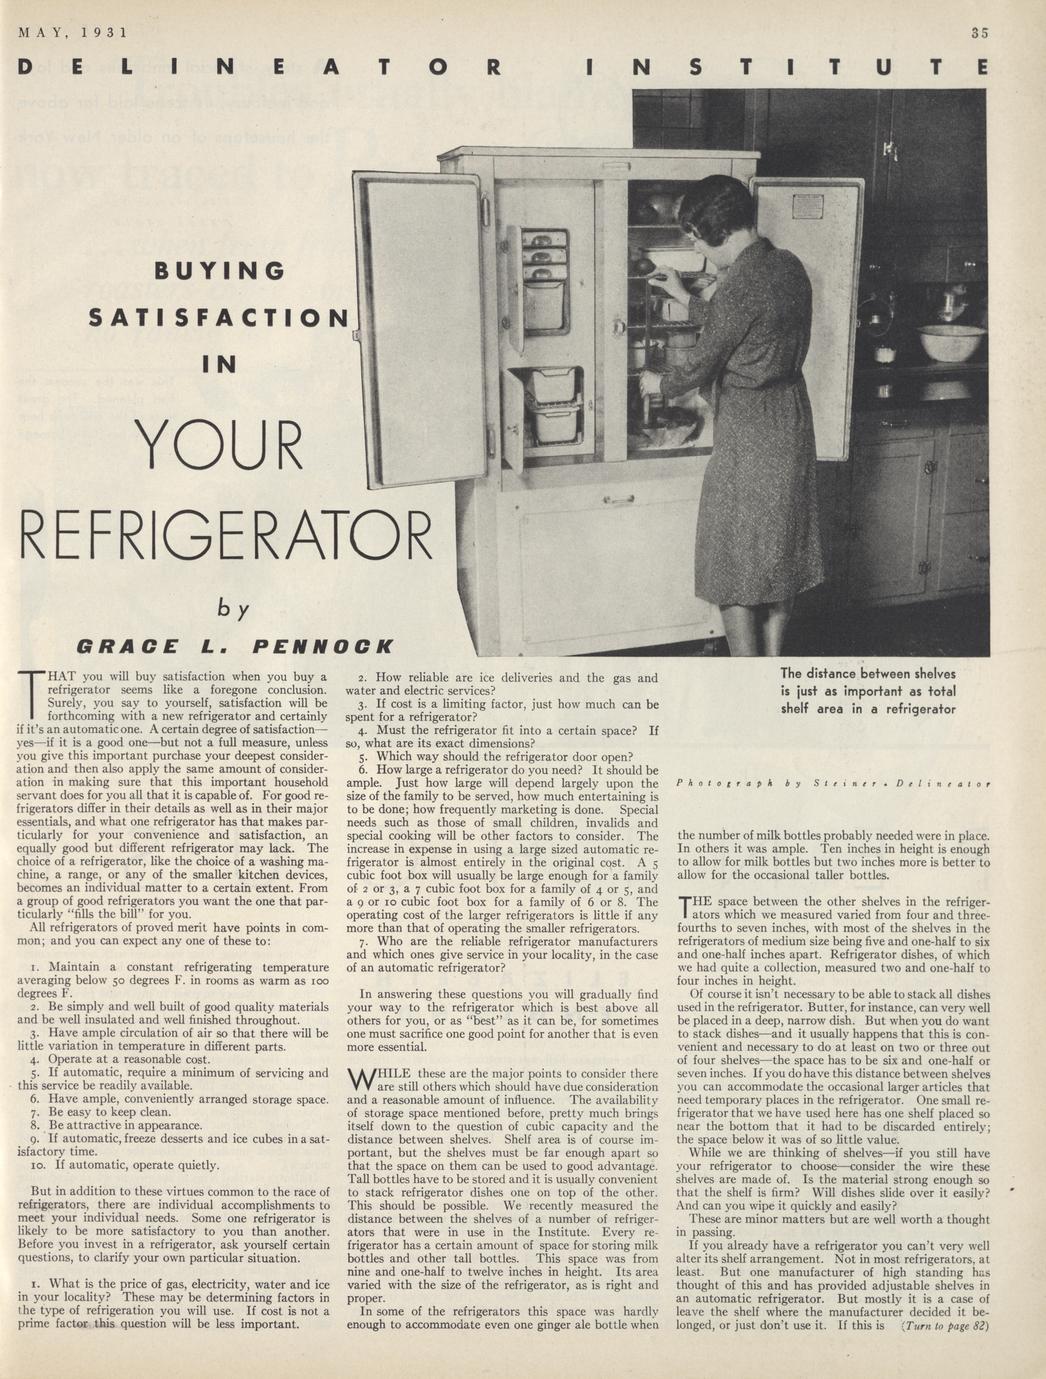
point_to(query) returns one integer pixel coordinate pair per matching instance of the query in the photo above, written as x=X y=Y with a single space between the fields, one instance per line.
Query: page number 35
x=979 y=31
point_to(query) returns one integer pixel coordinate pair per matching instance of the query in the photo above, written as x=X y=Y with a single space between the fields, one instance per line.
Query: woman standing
x=758 y=540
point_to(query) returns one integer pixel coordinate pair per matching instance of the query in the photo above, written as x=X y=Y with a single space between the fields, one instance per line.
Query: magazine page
x=523 y=800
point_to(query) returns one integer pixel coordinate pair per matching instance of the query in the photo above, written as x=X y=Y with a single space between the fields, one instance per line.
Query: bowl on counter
x=951 y=344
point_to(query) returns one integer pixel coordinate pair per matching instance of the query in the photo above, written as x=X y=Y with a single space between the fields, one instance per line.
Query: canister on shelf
x=679 y=357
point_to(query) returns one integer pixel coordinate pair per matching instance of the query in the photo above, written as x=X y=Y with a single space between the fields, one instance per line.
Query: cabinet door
x=418 y=282
x=819 y=220
x=936 y=157
x=962 y=557
x=816 y=133
x=966 y=471
x=889 y=519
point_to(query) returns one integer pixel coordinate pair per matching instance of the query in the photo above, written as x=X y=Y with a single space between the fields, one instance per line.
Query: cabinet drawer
x=926 y=262
x=968 y=262
x=970 y=416
x=962 y=559
x=966 y=472
x=897 y=423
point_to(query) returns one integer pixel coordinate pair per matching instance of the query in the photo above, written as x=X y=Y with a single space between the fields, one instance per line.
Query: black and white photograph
x=769 y=441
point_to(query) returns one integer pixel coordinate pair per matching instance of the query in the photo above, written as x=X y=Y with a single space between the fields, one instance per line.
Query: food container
x=544 y=239
x=552 y=385
x=544 y=272
x=677 y=357
x=671 y=310
x=657 y=207
x=543 y=304
x=535 y=257
x=553 y=424
x=951 y=344
x=637 y=356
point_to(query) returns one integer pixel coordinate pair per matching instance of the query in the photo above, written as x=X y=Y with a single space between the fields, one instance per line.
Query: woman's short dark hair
x=715 y=207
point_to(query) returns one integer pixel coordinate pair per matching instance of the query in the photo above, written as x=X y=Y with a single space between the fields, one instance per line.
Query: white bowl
x=951 y=344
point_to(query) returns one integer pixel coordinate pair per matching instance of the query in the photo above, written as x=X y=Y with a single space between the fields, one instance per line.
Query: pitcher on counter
x=758 y=537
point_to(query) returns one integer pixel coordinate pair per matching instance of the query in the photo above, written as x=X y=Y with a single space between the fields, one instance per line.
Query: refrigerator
x=506 y=309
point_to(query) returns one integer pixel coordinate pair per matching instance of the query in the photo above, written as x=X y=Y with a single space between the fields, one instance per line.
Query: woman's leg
x=740 y=624
x=777 y=615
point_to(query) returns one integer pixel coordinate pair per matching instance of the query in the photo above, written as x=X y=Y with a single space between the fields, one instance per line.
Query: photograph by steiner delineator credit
x=720 y=393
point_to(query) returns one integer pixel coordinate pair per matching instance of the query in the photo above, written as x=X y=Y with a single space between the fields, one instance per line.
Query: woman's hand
x=649 y=383
x=671 y=284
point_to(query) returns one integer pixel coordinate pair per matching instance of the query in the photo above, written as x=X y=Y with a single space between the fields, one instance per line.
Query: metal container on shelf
x=552 y=385
x=541 y=271
x=543 y=302
x=679 y=357
x=544 y=239
x=553 y=424
x=537 y=257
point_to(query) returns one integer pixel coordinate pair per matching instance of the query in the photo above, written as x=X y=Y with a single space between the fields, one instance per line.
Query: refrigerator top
x=465 y=150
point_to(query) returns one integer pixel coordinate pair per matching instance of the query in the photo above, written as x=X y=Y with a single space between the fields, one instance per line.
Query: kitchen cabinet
x=915 y=516
x=906 y=258
x=921 y=153
x=934 y=150
x=503 y=327
x=827 y=133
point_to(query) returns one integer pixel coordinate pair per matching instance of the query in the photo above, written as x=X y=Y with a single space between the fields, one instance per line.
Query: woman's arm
x=726 y=322
x=696 y=302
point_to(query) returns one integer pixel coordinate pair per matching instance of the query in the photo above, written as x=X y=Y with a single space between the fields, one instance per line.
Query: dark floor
x=943 y=627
